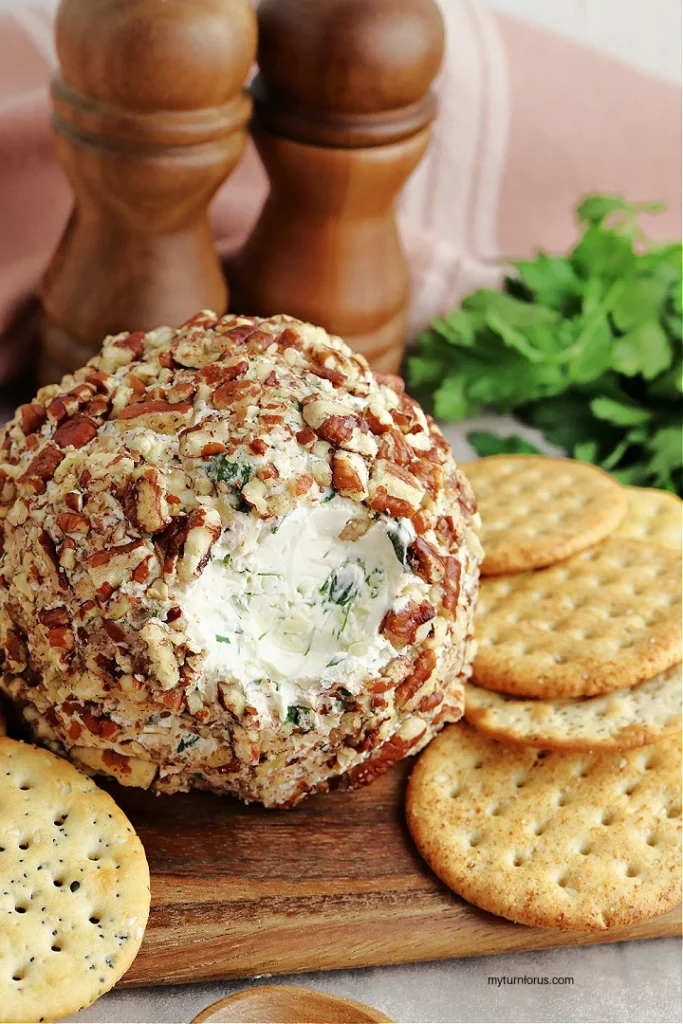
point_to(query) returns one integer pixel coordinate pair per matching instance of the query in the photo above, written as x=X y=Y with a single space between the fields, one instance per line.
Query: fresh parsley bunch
x=587 y=347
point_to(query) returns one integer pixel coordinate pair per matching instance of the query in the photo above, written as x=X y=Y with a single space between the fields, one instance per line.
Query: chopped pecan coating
x=118 y=488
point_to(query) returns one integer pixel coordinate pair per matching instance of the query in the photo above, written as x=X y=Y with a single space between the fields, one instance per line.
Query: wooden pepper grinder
x=342 y=109
x=150 y=115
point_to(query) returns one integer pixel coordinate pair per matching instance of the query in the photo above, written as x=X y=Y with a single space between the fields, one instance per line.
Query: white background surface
x=643 y=33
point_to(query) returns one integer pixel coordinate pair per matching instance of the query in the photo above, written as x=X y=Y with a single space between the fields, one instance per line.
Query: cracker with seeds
x=653 y=515
x=553 y=840
x=608 y=618
x=619 y=720
x=74 y=890
x=536 y=510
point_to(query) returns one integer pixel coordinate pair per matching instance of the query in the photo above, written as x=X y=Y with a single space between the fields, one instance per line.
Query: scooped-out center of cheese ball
x=288 y=609
x=234 y=559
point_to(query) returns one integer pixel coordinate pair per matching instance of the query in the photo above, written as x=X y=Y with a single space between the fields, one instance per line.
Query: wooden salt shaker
x=341 y=119
x=150 y=113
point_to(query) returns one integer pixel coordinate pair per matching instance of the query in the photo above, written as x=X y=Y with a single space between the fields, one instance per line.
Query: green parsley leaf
x=619 y=413
x=585 y=346
x=485 y=443
x=223 y=639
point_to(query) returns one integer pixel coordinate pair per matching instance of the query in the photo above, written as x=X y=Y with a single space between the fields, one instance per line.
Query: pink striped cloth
x=527 y=124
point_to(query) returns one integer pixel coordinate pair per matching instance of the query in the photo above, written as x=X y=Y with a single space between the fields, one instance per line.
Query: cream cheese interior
x=286 y=609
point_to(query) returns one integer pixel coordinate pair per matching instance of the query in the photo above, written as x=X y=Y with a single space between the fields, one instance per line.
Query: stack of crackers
x=558 y=803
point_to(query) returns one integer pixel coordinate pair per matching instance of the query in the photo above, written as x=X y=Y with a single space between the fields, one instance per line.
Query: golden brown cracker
x=74 y=898
x=607 y=618
x=552 y=840
x=536 y=510
x=653 y=515
x=619 y=720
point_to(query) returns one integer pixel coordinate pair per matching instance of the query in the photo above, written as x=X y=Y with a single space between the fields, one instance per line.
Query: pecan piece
x=422 y=670
x=214 y=374
x=31 y=417
x=61 y=638
x=392 y=381
x=401 y=627
x=202 y=531
x=51 y=561
x=128 y=771
x=393 y=447
x=161 y=654
x=394 y=490
x=339 y=425
x=111 y=567
x=466 y=496
x=393 y=750
x=133 y=343
x=41 y=468
x=235 y=393
x=73 y=523
x=8 y=488
x=335 y=377
x=306 y=436
x=150 y=508
x=68 y=404
x=425 y=561
x=451 y=587
x=75 y=432
x=378 y=418
x=52 y=617
x=429 y=474
x=159 y=415
x=431 y=701
x=350 y=475
x=16 y=651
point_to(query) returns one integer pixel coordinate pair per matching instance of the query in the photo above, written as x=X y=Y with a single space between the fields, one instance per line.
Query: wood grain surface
x=240 y=891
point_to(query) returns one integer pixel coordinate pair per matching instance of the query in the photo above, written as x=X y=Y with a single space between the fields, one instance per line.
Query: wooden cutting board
x=240 y=891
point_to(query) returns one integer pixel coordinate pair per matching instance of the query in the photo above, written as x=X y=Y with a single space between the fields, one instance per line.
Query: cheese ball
x=235 y=560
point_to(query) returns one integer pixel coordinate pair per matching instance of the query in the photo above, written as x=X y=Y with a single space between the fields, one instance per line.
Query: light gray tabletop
x=624 y=982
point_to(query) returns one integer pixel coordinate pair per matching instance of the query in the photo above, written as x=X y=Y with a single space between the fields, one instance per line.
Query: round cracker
x=608 y=618
x=619 y=720
x=74 y=892
x=552 y=840
x=653 y=515
x=536 y=510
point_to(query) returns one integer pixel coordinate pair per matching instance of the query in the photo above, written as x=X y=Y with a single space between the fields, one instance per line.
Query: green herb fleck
x=223 y=470
x=223 y=639
x=400 y=540
x=187 y=742
x=300 y=716
x=341 y=586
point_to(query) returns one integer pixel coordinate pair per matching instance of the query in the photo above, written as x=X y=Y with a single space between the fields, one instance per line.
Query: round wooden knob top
x=151 y=55
x=340 y=63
